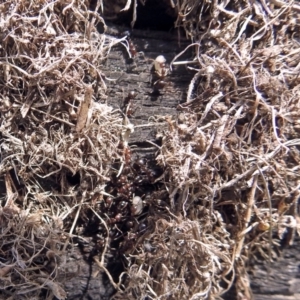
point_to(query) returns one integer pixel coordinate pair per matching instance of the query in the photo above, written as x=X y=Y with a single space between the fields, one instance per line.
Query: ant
x=144 y=173
x=160 y=72
x=127 y=105
x=132 y=48
x=160 y=67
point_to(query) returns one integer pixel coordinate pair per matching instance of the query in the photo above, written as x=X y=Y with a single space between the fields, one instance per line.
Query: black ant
x=144 y=174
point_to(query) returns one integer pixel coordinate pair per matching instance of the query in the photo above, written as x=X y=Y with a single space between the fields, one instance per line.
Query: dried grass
x=54 y=124
x=230 y=157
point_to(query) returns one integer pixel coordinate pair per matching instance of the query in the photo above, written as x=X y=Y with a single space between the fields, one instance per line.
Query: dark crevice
x=155 y=15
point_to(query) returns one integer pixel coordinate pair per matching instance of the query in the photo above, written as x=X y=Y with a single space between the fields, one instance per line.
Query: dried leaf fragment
x=84 y=108
x=57 y=290
x=4 y=271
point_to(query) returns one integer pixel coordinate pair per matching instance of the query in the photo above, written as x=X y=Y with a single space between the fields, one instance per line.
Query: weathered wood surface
x=280 y=280
x=83 y=279
x=135 y=75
